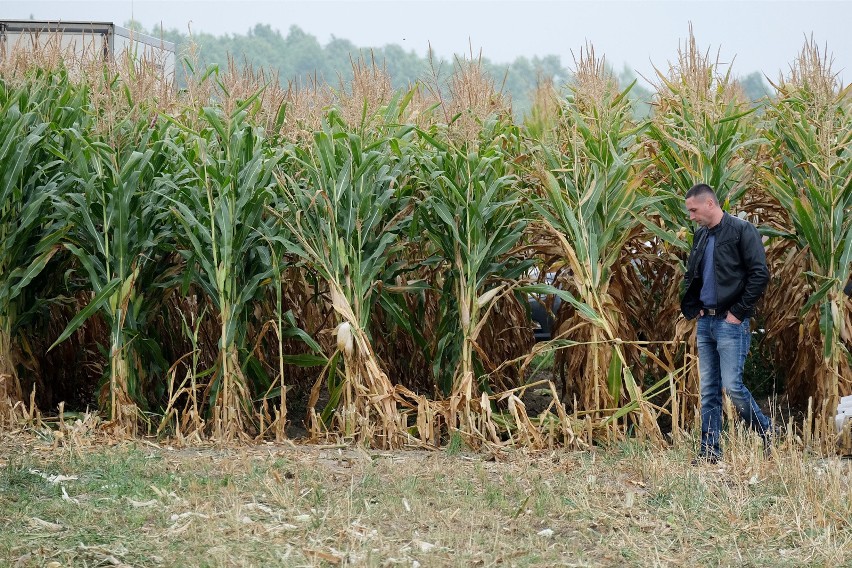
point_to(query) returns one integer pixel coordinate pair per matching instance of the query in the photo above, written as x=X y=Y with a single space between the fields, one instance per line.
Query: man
x=725 y=276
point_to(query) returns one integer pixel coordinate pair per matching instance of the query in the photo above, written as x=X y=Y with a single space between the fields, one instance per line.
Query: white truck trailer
x=83 y=40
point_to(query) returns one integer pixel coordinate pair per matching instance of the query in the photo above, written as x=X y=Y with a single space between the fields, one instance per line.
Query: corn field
x=233 y=258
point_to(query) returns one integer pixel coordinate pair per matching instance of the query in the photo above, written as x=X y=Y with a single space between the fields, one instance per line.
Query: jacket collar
x=724 y=221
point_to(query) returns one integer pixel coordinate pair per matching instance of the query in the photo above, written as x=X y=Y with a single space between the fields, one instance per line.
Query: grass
x=143 y=504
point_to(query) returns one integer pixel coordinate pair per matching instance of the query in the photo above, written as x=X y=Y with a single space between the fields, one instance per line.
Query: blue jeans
x=722 y=350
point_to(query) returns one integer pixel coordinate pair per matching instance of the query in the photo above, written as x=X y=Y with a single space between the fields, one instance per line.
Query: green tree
x=754 y=86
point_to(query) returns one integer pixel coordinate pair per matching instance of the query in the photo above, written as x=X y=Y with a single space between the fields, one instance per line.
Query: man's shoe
x=705 y=460
x=773 y=437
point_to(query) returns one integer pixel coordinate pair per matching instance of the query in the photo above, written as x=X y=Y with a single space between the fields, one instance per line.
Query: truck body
x=86 y=40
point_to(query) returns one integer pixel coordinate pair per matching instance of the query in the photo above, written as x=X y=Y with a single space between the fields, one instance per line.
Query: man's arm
x=690 y=306
x=757 y=275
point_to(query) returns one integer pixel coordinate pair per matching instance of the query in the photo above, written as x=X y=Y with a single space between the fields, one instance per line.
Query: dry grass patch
x=143 y=504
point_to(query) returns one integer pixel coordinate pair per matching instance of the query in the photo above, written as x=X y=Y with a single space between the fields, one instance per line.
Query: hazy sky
x=764 y=35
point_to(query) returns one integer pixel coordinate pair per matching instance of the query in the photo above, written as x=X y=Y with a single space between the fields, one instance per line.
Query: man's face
x=701 y=210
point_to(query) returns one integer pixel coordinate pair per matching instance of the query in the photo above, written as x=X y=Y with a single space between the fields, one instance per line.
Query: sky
x=763 y=36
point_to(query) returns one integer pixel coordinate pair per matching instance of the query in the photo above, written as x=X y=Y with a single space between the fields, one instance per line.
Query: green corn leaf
x=827 y=328
x=547 y=289
x=818 y=296
x=305 y=360
x=97 y=302
x=614 y=377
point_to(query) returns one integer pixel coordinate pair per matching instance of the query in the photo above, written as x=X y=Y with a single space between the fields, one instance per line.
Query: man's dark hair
x=700 y=189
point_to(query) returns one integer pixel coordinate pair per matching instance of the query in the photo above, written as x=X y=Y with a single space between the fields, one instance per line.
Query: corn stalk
x=810 y=128
x=223 y=186
x=590 y=197
x=473 y=214
x=343 y=213
x=29 y=178
x=114 y=215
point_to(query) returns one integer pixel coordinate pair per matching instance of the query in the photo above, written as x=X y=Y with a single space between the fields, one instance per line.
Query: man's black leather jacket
x=740 y=264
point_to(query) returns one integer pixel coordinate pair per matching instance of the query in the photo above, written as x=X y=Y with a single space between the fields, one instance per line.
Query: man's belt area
x=715 y=312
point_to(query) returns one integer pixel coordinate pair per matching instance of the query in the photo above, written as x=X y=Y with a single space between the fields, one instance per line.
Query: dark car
x=542 y=317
